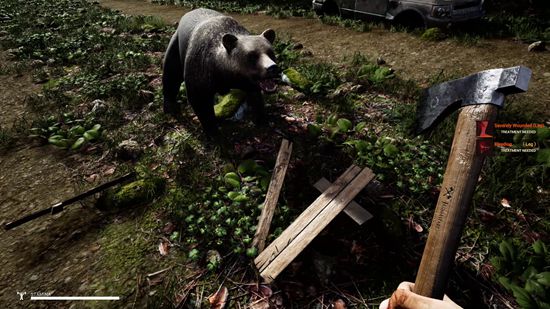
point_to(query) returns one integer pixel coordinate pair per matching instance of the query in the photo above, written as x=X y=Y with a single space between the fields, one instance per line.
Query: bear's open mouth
x=268 y=85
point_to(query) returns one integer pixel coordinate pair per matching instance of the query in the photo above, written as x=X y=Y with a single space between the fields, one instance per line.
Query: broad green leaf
x=344 y=125
x=523 y=298
x=331 y=120
x=539 y=247
x=232 y=175
x=251 y=252
x=533 y=287
x=505 y=282
x=91 y=135
x=247 y=167
x=313 y=129
x=360 y=126
x=194 y=254
x=232 y=182
x=240 y=198
x=507 y=250
x=78 y=143
x=77 y=130
x=390 y=150
x=232 y=195
x=543 y=278
x=529 y=272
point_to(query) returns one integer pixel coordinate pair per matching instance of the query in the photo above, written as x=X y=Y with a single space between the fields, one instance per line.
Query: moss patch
x=139 y=192
x=296 y=79
x=229 y=104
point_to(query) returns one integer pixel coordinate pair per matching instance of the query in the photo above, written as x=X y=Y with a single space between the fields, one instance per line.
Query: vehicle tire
x=329 y=8
x=410 y=20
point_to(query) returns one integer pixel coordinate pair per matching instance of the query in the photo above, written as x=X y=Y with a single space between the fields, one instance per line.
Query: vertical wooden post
x=272 y=196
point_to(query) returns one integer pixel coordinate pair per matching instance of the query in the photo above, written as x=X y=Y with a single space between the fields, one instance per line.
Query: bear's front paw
x=173 y=109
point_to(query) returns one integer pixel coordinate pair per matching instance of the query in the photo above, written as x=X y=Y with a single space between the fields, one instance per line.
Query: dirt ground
x=410 y=56
x=52 y=253
x=56 y=254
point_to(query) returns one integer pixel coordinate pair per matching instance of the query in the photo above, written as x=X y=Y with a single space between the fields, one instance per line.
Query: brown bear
x=212 y=53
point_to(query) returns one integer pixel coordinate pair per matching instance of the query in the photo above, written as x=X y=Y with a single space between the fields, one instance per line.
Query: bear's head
x=253 y=58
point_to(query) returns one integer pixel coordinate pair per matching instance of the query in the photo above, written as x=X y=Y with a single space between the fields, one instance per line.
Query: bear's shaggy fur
x=212 y=53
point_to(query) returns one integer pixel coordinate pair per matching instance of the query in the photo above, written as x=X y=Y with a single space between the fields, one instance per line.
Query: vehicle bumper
x=457 y=16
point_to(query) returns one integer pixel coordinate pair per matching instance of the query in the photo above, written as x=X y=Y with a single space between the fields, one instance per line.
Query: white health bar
x=75 y=297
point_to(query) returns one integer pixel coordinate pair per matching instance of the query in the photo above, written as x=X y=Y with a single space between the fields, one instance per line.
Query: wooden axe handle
x=458 y=186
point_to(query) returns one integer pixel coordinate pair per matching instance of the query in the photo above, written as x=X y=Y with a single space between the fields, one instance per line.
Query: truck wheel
x=329 y=8
x=410 y=20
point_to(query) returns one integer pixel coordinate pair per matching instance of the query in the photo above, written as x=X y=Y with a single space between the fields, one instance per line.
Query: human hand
x=405 y=298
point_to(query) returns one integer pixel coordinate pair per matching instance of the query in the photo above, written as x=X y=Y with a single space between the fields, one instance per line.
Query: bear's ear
x=269 y=34
x=229 y=41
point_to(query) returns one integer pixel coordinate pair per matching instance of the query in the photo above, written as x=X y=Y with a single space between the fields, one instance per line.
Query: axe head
x=486 y=87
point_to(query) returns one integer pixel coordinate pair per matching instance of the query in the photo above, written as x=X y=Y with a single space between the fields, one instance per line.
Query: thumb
x=384 y=304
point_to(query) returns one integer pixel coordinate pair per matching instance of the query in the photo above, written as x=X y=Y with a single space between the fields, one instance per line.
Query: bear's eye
x=252 y=57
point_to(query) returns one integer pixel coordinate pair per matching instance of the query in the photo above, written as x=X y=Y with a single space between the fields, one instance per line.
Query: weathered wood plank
x=357 y=213
x=272 y=195
x=309 y=226
x=313 y=210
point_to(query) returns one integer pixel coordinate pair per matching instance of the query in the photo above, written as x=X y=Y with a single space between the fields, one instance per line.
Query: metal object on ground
x=481 y=94
x=59 y=206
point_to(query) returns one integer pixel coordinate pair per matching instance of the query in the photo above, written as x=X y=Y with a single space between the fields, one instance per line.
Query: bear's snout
x=273 y=70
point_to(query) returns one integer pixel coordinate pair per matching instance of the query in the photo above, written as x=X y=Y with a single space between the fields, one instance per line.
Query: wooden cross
x=283 y=250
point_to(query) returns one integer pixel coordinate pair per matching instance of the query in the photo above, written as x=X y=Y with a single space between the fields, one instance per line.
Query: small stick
x=283 y=157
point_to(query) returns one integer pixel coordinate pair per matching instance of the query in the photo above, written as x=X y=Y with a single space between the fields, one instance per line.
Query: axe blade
x=486 y=87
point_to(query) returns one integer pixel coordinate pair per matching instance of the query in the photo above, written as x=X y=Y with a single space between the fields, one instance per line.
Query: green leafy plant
x=433 y=34
x=223 y=216
x=323 y=77
x=413 y=165
x=524 y=271
x=67 y=132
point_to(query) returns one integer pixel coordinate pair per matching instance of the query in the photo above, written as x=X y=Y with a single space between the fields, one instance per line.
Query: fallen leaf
x=218 y=299
x=261 y=290
x=485 y=216
x=92 y=178
x=260 y=296
x=339 y=304
x=156 y=280
x=109 y=171
x=412 y=224
x=505 y=203
x=164 y=248
x=168 y=228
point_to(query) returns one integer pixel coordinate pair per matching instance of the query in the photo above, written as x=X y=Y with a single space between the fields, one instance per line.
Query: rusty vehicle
x=416 y=13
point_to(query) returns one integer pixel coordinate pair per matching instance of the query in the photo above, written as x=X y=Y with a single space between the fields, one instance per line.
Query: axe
x=479 y=95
